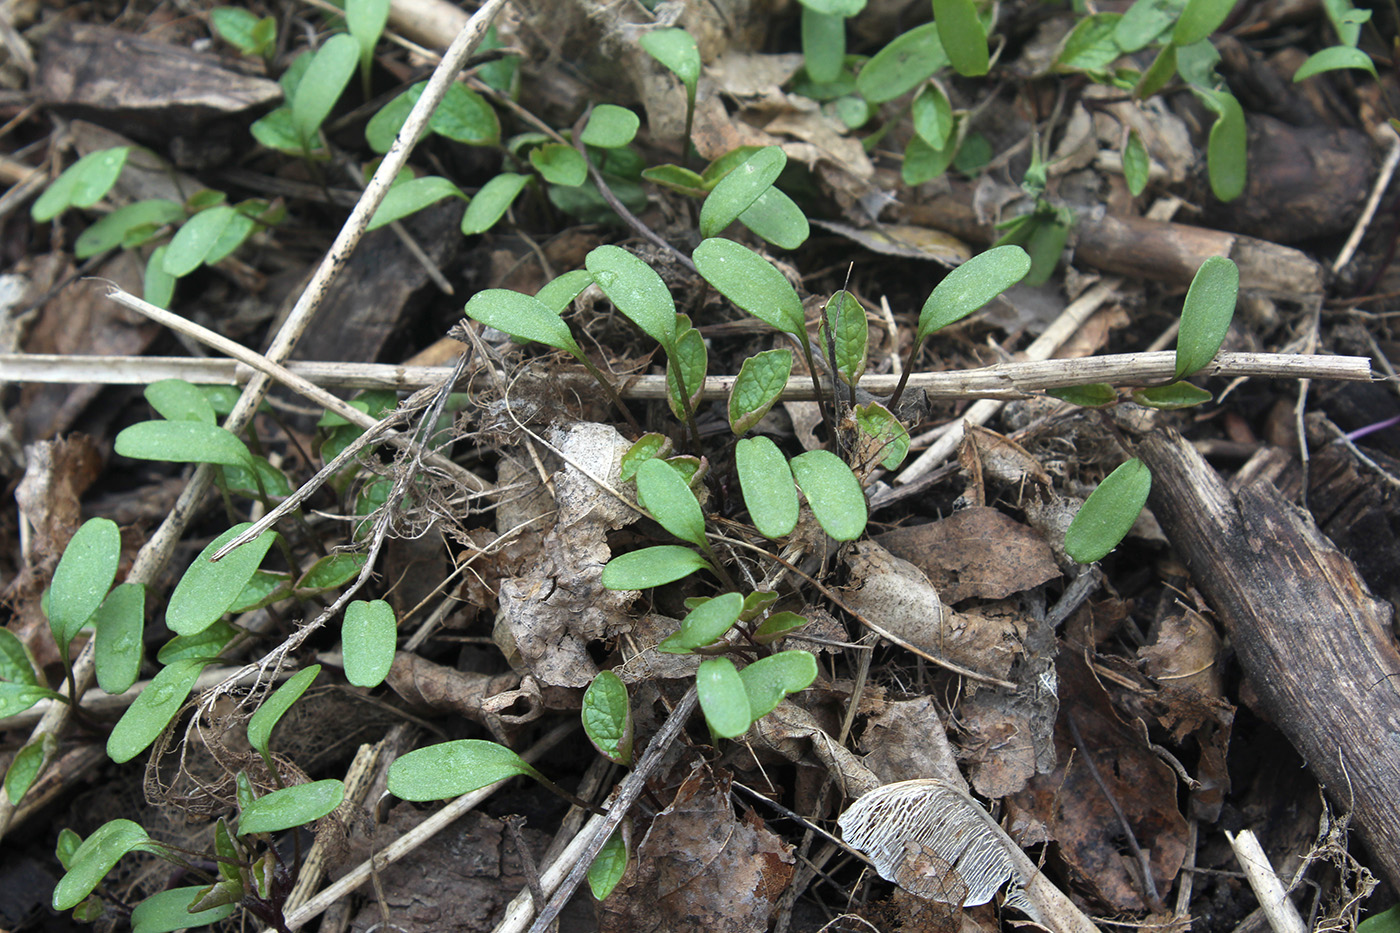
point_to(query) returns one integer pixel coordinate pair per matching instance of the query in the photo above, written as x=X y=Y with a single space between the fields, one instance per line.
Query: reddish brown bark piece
x=975 y=552
x=1316 y=645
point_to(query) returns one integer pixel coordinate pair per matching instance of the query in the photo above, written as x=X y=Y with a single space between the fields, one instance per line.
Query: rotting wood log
x=1314 y=642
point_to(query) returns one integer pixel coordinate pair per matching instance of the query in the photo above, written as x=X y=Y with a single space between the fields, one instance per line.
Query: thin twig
x=1383 y=177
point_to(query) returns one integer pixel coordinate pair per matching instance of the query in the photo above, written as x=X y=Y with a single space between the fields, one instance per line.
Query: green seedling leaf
x=82 y=578
x=1172 y=397
x=16 y=698
x=243 y=789
x=239 y=28
x=128 y=226
x=663 y=493
x=265 y=719
x=768 y=680
x=1145 y=22
x=716 y=170
x=464 y=116
x=167 y=911
x=653 y=566
x=723 y=698
x=833 y=492
x=776 y=218
x=842 y=8
x=226 y=847
x=756 y=603
x=491 y=202
x=412 y=196
x=849 y=335
x=890 y=438
x=559 y=164
x=1226 y=149
x=178 y=400
x=607 y=718
x=263 y=589
x=823 y=45
x=853 y=111
x=646 y=447
x=610 y=127
x=1387 y=921
x=450 y=769
x=1199 y=19
x=385 y=125
x=637 y=291
x=67 y=847
x=761 y=380
x=678 y=179
x=157 y=285
x=1335 y=58
x=704 y=625
x=1092 y=46
x=1196 y=64
x=322 y=84
x=82 y=184
x=1045 y=241
x=675 y=49
x=95 y=857
x=16 y=665
x=902 y=65
x=523 y=317
x=368 y=638
x=332 y=571
x=25 y=767
x=223 y=399
x=205 y=646
x=932 y=116
x=208 y=589
x=1094 y=395
x=689 y=359
x=239 y=228
x=923 y=162
x=766 y=483
x=119 y=622
x=151 y=712
x=971 y=285
x=1157 y=75
x=609 y=865
x=692 y=469
x=366 y=19
x=558 y=293
x=739 y=189
x=290 y=806
x=1109 y=512
x=196 y=239
x=1137 y=167
x=275 y=131
x=1206 y=314
x=778 y=626
x=963 y=36
x=751 y=282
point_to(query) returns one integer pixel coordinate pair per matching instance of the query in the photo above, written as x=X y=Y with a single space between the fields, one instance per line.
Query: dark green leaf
x=678 y=179
x=450 y=769
x=751 y=282
x=1109 y=512
x=205 y=646
x=238 y=229
x=1157 y=74
x=1199 y=19
x=767 y=486
x=385 y=125
x=1337 y=57
x=776 y=218
x=653 y=566
x=178 y=400
x=1196 y=64
x=559 y=164
x=275 y=131
x=1144 y=23
x=823 y=44
x=464 y=116
x=740 y=188
x=158 y=286
x=876 y=421
x=321 y=86
x=1172 y=397
x=367 y=639
x=646 y=447
x=208 y=589
x=663 y=493
x=521 y=316
x=768 y=680
x=932 y=116
x=833 y=492
x=1091 y=46
x=112 y=231
x=489 y=204
x=1137 y=166
x=1226 y=151
x=637 y=291
x=16 y=666
x=609 y=865
x=167 y=911
x=559 y=292
x=365 y=19
x=94 y=858
x=723 y=698
x=607 y=718
x=82 y=578
x=610 y=127
x=82 y=184
x=1387 y=921
x=689 y=362
x=675 y=49
x=902 y=65
x=16 y=698
x=119 y=622
x=716 y=170
x=195 y=240
x=971 y=285
x=26 y=764
x=704 y=625
x=924 y=163
x=332 y=571
x=291 y=806
x=265 y=719
x=761 y=380
x=1206 y=314
x=1094 y=395
x=850 y=333
x=412 y=196
x=151 y=712
x=235 y=26
x=778 y=626
x=963 y=36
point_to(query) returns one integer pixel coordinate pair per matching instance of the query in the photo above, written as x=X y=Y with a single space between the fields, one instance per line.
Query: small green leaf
x=902 y=65
x=412 y=196
x=924 y=163
x=25 y=766
x=464 y=116
x=823 y=45
x=849 y=334
x=67 y=847
x=756 y=603
x=1226 y=161
x=1109 y=512
x=235 y=26
x=637 y=291
x=1334 y=58
x=274 y=130
x=1157 y=75
x=167 y=911
x=265 y=719
x=768 y=680
x=178 y=400
x=737 y=190
x=16 y=666
x=607 y=718
x=932 y=115
x=767 y=486
x=450 y=769
x=238 y=229
x=559 y=164
x=653 y=566
x=196 y=239
x=716 y=170
x=558 y=293
x=663 y=493
x=761 y=380
x=609 y=865
x=1172 y=397
x=843 y=8
x=1093 y=395
x=776 y=218
x=1144 y=23
x=94 y=858
x=1206 y=314
x=204 y=646
x=678 y=179
x=778 y=626
x=723 y=698
x=1092 y=46
x=521 y=316
x=690 y=359
x=675 y=49
x=82 y=184
x=963 y=36
x=119 y=622
x=704 y=625
x=82 y=578
x=151 y=712
x=1137 y=166
x=610 y=127
x=971 y=285
x=876 y=421
x=366 y=19
x=489 y=204
x=16 y=698
x=751 y=282
x=1387 y=921
x=291 y=806
x=115 y=229
x=331 y=571
x=321 y=86
x=1199 y=19
x=157 y=285
x=367 y=639
x=208 y=589
x=646 y=447
x=263 y=589
x=833 y=492
x=386 y=123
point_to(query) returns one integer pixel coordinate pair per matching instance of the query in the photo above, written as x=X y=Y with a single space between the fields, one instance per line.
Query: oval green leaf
x=751 y=282
x=971 y=285
x=675 y=49
x=1206 y=314
x=1172 y=397
x=776 y=218
x=768 y=680
x=16 y=698
x=962 y=35
x=331 y=571
x=678 y=179
x=767 y=486
x=607 y=718
x=208 y=589
x=125 y=222
x=491 y=202
x=1092 y=46
x=464 y=116
x=833 y=492
x=876 y=421
x=932 y=115
x=1137 y=167
x=167 y=911
x=26 y=765
x=1333 y=59
x=823 y=45
x=739 y=189
x=119 y=622
x=704 y=625
x=182 y=442
x=368 y=638
x=266 y=717
x=412 y=196
x=196 y=239
x=178 y=400
x=646 y=447
x=16 y=665
x=1093 y=395
x=1226 y=150
x=82 y=184
x=1199 y=19
x=690 y=359
x=723 y=698
x=205 y=646
x=82 y=578
x=850 y=334
x=559 y=164
x=521 y=316
x=291 y=806
x=902 y=64
x=663 y=493
x=609 y=865
x=761 y=380
x=94 y=858
x=559 y=292
x=653 y=566
x=320 y=87
x=157 y=285
x=151 y=712
x=777 y=626
x=610 y=127
x=636 y=290
x=1109 y=512
x=450 y=769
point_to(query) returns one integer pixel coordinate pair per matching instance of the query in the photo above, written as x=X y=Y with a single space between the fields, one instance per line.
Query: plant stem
x=893 y=403
x=608 y=388
x=817 y=387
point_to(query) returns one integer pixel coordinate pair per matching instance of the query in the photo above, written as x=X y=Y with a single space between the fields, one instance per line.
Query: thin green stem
x=608 y=388
x=817 y=387
x=893 y=404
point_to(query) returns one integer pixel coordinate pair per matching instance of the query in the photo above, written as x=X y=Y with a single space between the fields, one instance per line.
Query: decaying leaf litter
x=1100 y=714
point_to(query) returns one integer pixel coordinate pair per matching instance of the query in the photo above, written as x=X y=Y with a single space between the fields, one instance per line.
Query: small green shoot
x=607 y=718
x=704 y=625
x=96 y=856
x=290 y=806
x=609 y=865
x=767 y=486
x=152 y=710
x=82 y=578
x=208 y=589
x=833 y=492
x=367 y=640
x=450 y=769
x=1206 y=314
x=82 y=184
x=265 y=719
x=653 y=566
x=1109 y=512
